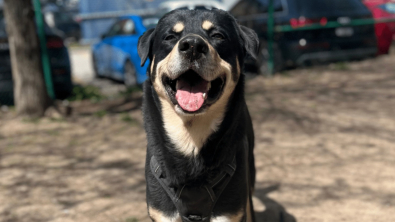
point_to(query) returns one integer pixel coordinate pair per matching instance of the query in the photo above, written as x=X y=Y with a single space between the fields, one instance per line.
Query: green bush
x=131 y=219
x=88 y=92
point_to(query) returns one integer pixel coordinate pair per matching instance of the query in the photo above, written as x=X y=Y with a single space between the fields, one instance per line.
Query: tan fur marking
x=190 y=132
x=207 y=25
x=161 y=69
x=189 y=136
x=178 y=27
x=158 y=216
x=229 y=218
x=248 y=210
x=152 y=64
x=237 y=66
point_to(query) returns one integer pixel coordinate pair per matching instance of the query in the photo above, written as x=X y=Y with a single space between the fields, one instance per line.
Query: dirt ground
x=325 y=152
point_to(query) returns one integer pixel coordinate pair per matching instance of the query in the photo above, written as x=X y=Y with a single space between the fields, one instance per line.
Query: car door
x=103 y=53
x=122 y=44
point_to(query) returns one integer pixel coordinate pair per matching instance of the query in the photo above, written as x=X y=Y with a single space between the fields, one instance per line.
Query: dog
x=199 y=162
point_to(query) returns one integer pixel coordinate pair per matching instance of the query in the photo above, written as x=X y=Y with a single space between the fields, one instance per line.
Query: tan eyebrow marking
x=178 y=27
x=152 y=64
x=206 y=25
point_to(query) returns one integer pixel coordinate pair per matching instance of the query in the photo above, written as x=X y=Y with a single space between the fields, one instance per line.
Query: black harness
x=195 y=203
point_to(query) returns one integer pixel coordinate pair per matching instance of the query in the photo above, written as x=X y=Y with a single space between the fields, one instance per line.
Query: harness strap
x=195 y=203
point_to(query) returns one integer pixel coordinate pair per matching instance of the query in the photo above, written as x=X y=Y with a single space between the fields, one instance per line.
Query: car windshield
x=3 y=32
x=255 y=7
x=330 y=5
x=150 y=22
x=2 y=29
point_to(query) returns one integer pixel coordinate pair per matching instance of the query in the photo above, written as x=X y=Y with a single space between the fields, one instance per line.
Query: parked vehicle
x=385 y=32
x=305 y=46
x=115 y=56
x=59 y=60
x=168 y=6
x=62 y=19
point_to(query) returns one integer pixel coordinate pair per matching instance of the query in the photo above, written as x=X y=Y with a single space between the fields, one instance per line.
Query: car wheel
x=129 y=74
x=262 y=60
x=95 y=71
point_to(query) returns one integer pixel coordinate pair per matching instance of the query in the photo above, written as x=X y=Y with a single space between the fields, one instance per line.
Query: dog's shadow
x=272 y=211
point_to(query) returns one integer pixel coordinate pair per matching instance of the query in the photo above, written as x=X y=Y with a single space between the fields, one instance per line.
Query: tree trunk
x=30 y=94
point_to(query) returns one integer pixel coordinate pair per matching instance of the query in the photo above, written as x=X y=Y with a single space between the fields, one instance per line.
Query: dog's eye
x=217 y=36
x=170 y=37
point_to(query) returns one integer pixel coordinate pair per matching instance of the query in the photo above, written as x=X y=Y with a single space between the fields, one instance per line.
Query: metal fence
x=97 y=16
x=272 y=29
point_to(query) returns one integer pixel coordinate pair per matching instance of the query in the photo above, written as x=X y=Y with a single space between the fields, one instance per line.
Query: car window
x=150 y=22
x=128 y=28
x=254 y=7
x=201 y=7
x=47 y=29
x=63 y=17
x=116 y=29
x=306 y=6
x=3 y=32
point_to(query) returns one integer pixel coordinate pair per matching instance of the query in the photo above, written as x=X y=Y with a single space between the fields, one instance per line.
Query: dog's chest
x=189 y=136
x=158 y=216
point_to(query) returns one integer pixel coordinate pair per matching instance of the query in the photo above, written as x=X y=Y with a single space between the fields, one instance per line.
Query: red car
x=385 y=32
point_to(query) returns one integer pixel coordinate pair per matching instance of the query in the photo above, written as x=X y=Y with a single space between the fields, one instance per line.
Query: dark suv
x=59 y=61
x=301 y=47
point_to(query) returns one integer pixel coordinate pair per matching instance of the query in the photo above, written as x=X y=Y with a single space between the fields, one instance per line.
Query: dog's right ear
x=145 y=44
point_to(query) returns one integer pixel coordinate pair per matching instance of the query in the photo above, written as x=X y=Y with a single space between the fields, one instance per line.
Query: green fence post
x=270 y=37
x=43 y=46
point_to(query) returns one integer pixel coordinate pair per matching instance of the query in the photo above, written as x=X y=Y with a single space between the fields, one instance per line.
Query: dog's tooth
x=177 y=85
x=208 y=86
x=204 y=95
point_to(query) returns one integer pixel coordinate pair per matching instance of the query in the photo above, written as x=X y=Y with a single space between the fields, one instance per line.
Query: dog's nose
x=193 y=47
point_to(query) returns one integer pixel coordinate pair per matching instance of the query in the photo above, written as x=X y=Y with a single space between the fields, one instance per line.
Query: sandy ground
x=325 y=152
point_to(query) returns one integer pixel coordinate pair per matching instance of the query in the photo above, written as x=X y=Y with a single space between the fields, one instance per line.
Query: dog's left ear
x=145 y=44
x=251 y=41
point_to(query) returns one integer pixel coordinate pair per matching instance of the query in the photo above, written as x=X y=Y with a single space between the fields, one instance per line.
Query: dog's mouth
x=193 y=93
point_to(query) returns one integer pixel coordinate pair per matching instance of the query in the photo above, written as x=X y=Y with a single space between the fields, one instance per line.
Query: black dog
x=200 y=164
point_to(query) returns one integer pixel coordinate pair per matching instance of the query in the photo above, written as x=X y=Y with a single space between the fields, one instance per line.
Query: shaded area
x=324 y=152
x=274 y=211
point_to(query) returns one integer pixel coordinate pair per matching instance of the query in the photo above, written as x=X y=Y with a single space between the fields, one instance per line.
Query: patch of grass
x=100 y=113
x=9 y=148
x=125 y=117
x=340 y=66
x=6 y=108
x=88 y=92
x=285 y=73
x=34 y=120
x=130 y=90
x=53 y=133
x=72 y=143
x=131 y=219
x=57 y=120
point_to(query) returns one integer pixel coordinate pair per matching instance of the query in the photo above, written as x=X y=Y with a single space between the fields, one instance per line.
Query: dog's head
x=196 y=57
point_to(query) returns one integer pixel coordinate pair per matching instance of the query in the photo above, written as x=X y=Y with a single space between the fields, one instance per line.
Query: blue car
x=115 y=56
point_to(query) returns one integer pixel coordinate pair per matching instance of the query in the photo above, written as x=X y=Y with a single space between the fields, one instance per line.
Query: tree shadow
x=127 y=104
x=274 y=211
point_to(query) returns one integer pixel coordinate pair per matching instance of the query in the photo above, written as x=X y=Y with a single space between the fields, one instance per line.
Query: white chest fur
x=189 y=133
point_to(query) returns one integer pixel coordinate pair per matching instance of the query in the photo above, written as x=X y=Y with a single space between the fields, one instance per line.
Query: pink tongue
x=190 y=98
